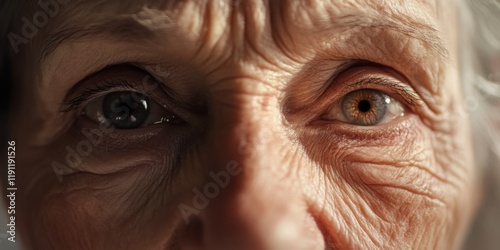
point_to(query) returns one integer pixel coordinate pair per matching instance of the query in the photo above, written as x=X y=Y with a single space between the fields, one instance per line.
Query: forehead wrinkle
x=323 y=16
x=134 y=20
x=125 y=28
x=155 y=18
x=143 y=23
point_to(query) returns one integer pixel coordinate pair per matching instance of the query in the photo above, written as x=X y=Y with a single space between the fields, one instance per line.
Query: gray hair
x=480 y=67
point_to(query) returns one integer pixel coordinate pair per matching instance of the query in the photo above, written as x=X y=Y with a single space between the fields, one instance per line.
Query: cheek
x=112 y=197
x=390 y=190
x=78 y=212
x=88 y=211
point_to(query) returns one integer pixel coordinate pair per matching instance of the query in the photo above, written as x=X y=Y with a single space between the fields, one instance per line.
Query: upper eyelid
x=405 y=92
x=397 y=89
x=128 y=77
x=92 y=92
x=394 y=81
x=123 y=76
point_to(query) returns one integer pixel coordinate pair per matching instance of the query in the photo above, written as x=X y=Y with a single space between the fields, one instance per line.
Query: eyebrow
x=420 y=31
x=126 y=28
x=122 y=28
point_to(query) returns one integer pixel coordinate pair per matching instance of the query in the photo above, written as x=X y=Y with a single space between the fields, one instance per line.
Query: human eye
x=120 y=98
x=127 y=110
x=371 y=96
x=366 y=107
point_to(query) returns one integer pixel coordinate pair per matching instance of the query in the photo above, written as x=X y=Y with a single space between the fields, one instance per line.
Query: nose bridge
x=258 y=206
x=245 y=121
x=261 y=207
x=247 y=138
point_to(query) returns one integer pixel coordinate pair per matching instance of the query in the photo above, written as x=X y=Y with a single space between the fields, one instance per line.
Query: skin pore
x=260 y=85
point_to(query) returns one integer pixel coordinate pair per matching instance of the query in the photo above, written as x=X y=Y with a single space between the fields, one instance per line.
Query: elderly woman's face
x=244 y=125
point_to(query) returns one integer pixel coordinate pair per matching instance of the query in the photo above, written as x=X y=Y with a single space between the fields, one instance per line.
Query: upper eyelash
x=88 y=93
x=405 y=92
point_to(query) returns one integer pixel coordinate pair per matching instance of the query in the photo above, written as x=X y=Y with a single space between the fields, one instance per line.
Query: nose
x=262 y=206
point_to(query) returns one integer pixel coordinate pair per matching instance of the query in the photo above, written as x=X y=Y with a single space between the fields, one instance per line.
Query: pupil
x=364 y=106
x=125 y=109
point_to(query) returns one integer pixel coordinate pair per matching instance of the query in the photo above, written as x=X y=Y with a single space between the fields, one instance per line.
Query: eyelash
x=404 y=94
x=90 y=93
x=390 y=86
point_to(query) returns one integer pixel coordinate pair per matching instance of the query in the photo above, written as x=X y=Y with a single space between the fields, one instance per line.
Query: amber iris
x=365 y=107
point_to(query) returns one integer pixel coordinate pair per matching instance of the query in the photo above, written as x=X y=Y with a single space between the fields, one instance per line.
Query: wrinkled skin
x=253 y=80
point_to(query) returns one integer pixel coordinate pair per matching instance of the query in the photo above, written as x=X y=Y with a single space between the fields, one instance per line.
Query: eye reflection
x=366 y=107
x=127 y=110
